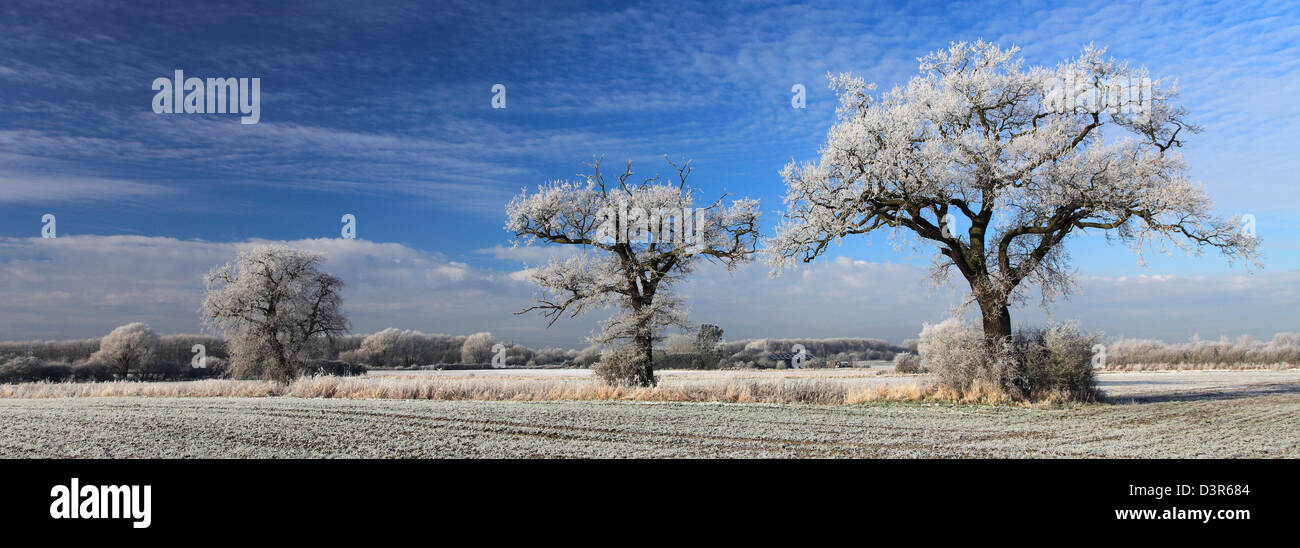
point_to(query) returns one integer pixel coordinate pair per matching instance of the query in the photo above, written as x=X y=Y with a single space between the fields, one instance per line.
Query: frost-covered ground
x=1189 y=414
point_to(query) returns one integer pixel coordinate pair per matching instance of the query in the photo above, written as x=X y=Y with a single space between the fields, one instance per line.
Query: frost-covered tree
x=273 y=304
x=640 y=238
x=392 y=347
x=680 y=343
x=477 y=348
x=708 y=338
x=130 y=346
x=1019 y=155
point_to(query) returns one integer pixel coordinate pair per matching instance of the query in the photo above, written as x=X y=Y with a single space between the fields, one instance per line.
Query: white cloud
x=531 y=254
x=83 y=286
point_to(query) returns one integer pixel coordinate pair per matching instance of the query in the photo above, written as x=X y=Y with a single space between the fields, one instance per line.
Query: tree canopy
x=1027 y=157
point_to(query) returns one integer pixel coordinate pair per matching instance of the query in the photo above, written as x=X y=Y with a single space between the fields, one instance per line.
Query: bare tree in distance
x=130 y=346
x=635 y=251
x=272 y=304
x=977 y=136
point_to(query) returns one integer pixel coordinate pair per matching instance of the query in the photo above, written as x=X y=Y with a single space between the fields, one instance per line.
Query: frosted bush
x=953 y=350
x=907 y=362
x=1033 y=364
x=623 y=366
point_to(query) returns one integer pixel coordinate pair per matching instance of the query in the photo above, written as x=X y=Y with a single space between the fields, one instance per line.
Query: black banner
x=238 y=498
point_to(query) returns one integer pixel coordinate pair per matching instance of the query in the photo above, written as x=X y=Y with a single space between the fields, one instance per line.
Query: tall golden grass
x=1197 y=366
x=772 y=391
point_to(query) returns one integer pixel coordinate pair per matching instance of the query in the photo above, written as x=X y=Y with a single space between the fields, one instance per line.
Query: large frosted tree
x=273 y=303
x=1023 y=158
x=641 y=237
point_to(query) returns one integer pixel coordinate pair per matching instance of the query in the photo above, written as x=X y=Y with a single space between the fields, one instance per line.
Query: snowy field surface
x=1173 y=414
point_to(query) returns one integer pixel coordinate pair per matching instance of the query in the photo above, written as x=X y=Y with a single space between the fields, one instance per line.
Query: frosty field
x=1168 y=414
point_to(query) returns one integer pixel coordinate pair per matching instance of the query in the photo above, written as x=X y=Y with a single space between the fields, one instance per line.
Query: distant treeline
x=390 y=348
x=1282 y=349
x=395 y=348
x=754 y=352
x=698 y=352
x=402 y=348
x=171 y=348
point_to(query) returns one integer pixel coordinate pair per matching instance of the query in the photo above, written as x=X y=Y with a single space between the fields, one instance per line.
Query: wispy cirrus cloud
x=24 y=188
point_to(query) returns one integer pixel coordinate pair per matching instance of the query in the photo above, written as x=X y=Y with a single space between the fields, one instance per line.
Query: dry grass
x=772 y=391
x=1188 y=366
x=980 y=393
x=424 y=388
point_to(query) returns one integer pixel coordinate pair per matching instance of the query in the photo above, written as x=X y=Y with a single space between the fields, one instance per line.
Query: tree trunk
x=644 y=337
x=645 y=347
x=997 y=322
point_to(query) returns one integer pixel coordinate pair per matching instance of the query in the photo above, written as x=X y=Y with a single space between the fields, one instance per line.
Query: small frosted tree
x=640 y=239
x=128 y=347
x=1019 y=155
x=477 y=348
x=273 y=304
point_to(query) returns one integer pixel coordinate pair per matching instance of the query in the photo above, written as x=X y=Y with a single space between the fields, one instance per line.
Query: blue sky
x=384 y=112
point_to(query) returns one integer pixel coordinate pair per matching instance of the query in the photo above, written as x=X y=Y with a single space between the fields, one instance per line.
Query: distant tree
x=130 y=346
x=477 y=348
x=1019 y=159
x=517 y=354
x=680 y=343
x=392 y=347
x=273 y=304
x=646 y=235
x=706 y=341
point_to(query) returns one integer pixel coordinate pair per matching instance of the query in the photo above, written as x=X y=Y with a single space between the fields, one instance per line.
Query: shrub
x=333 y=368
x=159 y=371
x=907 y=362
x=33 y=369
x=217 y=367
x=1033 y=364
x=1057 y=363
x=954 y=351
x=93 y=372
x=622 y=367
